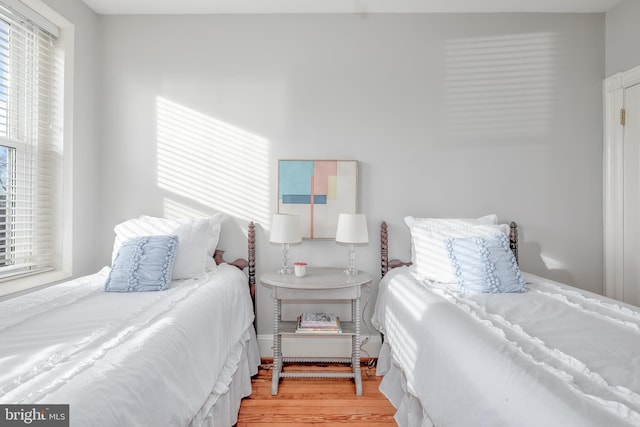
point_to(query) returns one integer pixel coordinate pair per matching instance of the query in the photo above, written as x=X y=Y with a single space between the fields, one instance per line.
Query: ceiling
x=346 y=6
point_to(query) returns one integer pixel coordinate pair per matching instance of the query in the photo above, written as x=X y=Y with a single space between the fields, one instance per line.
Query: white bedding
x=135 y=359
x=553 y=356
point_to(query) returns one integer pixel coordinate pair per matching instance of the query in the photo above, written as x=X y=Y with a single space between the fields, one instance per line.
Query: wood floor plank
x=315 y=401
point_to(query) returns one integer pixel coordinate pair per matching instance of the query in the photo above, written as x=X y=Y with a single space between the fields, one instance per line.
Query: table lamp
x=352 y=229
x=285 y=229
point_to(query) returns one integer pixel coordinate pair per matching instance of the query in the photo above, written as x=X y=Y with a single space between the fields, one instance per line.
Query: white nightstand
x=319 y=283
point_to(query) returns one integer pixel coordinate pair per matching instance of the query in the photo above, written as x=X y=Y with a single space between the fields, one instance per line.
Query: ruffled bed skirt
x=409 y=411
x=222 y=406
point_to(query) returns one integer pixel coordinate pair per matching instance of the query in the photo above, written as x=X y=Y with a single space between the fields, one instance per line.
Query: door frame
x=613 y=204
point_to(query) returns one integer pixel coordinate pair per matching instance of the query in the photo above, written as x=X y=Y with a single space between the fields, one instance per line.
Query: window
x=30 y=147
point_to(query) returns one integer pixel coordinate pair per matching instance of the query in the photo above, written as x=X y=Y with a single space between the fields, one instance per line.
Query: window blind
x=30 y=146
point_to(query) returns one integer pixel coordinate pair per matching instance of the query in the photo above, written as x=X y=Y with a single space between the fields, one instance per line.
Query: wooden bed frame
x=386 y=264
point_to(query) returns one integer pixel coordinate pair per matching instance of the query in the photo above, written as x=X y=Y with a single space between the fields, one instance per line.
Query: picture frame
x=318 y=191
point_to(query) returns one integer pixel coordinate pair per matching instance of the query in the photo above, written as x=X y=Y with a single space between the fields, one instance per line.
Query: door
x=631 y=196
x=621 y=177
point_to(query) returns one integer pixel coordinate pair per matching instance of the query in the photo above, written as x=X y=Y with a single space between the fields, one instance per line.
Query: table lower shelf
x=325 y=373
x=345 y=360
x=317 y=374
x=289 y=328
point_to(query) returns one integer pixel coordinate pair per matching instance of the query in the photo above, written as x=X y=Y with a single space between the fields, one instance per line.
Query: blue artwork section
x=295 y=179
x=303 y=199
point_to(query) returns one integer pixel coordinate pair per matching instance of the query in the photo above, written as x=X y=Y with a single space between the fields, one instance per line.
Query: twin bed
x=182 y=356
x=545 y=354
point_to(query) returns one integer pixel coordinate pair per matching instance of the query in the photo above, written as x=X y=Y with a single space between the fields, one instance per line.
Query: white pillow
x=443 y=224
x=411 y=221
x=194 y=238
x=429 y=236
x=215 y=226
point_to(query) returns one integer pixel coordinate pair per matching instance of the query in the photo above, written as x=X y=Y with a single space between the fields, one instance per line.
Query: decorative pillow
x=429 y=239
x=485 y=264
x=143 y=264
x=193 y=236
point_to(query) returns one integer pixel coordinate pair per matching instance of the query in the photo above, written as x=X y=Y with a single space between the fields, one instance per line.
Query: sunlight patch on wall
x=175 y=209
x=501 y=86
x=207 y=163
x=552 y=263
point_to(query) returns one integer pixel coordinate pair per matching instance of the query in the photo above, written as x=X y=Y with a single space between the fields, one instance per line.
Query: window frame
x=62 y=266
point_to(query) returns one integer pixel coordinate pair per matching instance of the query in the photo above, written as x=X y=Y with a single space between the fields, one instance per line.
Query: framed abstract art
x=318 y=191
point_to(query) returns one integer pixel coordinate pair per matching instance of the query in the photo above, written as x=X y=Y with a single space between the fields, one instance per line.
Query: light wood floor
x=315 y=401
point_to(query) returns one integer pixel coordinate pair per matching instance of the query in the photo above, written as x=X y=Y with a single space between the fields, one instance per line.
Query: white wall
x=622 y=34
x=83 y=146
x=448 y=115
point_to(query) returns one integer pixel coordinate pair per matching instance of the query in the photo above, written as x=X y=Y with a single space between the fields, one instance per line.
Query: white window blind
x=30 y=146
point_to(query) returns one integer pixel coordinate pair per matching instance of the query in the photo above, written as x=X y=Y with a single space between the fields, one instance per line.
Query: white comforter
x=125 y=359
x=553 y=356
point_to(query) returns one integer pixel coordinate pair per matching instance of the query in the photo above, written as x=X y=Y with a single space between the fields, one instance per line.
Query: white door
x=631 y=196
x=622 y=186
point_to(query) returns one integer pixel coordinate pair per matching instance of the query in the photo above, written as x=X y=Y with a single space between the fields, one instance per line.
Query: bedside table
x=320 y=283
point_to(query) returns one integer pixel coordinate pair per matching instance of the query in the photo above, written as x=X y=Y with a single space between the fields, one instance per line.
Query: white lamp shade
x=352 y=228
x=285 y=228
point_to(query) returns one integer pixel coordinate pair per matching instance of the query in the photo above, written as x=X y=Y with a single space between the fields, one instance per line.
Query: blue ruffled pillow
x=143 y=264
x=485 y=264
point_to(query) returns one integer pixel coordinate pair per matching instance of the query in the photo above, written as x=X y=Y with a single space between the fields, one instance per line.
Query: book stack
x=318 y=322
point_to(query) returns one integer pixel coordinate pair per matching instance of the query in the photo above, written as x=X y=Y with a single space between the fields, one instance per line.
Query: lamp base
x=285 y=270
x=350 y=272
x=351 y=261
x=285 y=260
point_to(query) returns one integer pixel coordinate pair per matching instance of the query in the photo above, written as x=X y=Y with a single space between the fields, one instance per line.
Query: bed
x=180 y=356
x=545 y=355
